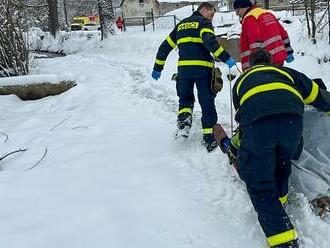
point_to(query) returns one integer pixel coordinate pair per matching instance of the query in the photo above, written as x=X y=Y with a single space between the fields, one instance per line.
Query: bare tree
x=107 y=18
x=13 y=50
x=328 y=7
x=307 y=17
x=312 y=17
x=266 y=4
x=66 y=23
x=53 y=25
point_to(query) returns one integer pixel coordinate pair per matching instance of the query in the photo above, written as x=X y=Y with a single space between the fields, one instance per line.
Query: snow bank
x=65 y=42
x=33 y=79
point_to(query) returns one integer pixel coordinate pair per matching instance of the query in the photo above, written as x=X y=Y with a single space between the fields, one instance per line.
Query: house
x=136 y=11
x=144 y=8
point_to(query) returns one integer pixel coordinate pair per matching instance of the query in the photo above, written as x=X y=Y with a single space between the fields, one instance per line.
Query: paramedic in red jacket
x=261 y=29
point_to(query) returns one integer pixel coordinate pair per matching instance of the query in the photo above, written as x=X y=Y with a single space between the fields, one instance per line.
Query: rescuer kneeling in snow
x=270 y=104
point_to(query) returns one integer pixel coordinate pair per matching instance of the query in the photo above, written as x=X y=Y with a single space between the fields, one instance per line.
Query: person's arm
x=235 y=95
x=252 y=32
x=210 y=42
x=285 y=38
x=310 y=91
x=164 y=49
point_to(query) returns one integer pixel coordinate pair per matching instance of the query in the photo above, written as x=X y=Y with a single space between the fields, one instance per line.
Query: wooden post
x=266 y=4
x=124 y=22
x=152 y=18
x=144 y=24
x=329 y=19
x=293 y=9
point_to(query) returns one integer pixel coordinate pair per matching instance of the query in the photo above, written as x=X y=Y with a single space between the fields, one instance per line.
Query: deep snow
x=113 y=176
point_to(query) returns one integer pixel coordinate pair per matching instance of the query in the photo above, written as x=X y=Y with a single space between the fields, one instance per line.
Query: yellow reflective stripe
x=262 y=68
x=282 y=238
x=170 y=42
x=207 y=130
x=185 y=110
x=255 y=13
x=160 y=62
x=236 y=140
x=189 y=39
x=284 y=199
x=195 y=62
x=312 y=96
x=218 y=52
x=269 y=87
x=205 y=30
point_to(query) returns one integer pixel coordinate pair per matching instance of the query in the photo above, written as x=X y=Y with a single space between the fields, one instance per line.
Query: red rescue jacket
x=261 y=29
x=119 y=23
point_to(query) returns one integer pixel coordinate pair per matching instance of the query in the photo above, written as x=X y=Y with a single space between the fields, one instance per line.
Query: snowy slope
x=113 y=176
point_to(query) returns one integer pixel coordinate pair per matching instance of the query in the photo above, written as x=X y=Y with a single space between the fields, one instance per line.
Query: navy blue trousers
x=185 y=91
x=267 y=146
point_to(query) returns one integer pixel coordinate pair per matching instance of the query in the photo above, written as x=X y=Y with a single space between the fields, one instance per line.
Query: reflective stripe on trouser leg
x=185 y=92
x=185 y=110
x=282 y=238
x=263 y=145
x=207 y=130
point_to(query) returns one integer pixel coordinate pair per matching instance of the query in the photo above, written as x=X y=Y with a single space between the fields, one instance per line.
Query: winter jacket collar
x=249 y=9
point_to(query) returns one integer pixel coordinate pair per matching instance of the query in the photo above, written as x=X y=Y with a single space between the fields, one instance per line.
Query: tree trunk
x=107 y=18
x=307 y=18
x=328 y=19
x=266 y=4
x=66 y=23
x=312 y=4
x=53 y=25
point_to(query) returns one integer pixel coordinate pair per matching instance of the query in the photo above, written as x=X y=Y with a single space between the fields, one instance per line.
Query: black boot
x=184 y=122
x=209 y=142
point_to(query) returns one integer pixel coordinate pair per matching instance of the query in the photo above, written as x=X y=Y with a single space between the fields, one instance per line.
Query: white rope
x=240 y=72
x=231 y=104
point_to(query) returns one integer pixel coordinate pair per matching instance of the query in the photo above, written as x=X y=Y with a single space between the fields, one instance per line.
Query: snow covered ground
x=112 y=174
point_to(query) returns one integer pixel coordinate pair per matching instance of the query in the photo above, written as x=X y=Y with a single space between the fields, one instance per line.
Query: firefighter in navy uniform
x=270 y=105
x=194 y=36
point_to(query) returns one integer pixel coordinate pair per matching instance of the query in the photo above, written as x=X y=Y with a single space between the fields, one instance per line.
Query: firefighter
x=261 y=29
x=269 y=101
x=194 y=36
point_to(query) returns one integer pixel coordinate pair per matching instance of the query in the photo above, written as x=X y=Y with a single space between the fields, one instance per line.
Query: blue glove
x=230 y=62
x=289 y=58
x=225 y=144
x=227 y=147
x=155 y=74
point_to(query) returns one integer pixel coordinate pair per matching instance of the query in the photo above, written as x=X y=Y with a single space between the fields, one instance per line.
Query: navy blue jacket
x=265 y=90
x=194 y=36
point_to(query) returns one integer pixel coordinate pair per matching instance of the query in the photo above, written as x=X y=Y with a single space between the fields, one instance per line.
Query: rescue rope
x=231 y=104
x=231 y=77
x=239 y=70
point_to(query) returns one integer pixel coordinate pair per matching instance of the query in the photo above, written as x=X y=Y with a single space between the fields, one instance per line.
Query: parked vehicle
x=91 y=27
x=79 y=22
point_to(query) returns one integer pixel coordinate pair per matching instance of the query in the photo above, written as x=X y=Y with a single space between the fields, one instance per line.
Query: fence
x=151 y=22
